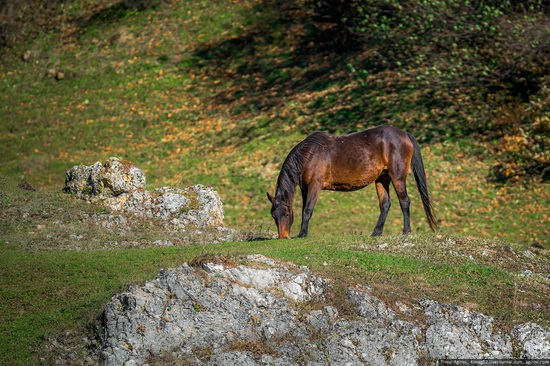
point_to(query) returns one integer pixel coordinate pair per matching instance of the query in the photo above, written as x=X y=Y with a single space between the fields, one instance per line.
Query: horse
x=347 y=163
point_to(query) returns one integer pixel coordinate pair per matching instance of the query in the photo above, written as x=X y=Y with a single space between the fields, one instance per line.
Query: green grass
x=46 y=293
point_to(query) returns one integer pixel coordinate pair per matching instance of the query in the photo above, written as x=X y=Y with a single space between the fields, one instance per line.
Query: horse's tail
x=420 y=176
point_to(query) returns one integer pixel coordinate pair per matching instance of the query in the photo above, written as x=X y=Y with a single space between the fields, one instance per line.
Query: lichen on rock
x=225 y=313
x=121 y=186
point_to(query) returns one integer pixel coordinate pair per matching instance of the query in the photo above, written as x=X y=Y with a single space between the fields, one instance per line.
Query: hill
x=218 y=92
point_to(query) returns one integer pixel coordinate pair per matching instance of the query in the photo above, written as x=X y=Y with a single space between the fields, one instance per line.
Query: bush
x=526 y=149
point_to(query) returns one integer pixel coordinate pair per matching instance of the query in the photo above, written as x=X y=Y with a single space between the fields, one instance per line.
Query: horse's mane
x=291 y=172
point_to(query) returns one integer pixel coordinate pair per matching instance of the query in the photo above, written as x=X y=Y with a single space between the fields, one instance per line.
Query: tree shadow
x=113 y=12
x=281 y=55
x=289 y=54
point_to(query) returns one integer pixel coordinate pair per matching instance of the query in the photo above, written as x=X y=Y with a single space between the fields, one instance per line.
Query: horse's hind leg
x=404 y=201
x=383 y=191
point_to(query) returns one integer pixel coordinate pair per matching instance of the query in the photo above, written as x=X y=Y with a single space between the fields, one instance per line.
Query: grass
x=218 y=93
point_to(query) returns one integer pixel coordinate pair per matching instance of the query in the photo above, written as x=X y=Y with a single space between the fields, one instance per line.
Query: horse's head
x=281 y=211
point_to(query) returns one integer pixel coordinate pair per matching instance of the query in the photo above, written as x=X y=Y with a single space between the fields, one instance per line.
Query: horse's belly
x=351 y=181
x=345 y=187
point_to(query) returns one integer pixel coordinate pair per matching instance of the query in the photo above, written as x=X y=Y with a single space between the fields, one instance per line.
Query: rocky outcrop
x=121 y=186
x=457 y=333
x=100 y=181
x=267 y=313
x=534 y=341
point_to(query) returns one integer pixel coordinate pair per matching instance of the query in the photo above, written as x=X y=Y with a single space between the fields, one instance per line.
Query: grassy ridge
x=47 y=293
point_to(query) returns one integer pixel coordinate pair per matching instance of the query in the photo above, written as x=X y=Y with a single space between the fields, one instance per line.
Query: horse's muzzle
x=284 y=235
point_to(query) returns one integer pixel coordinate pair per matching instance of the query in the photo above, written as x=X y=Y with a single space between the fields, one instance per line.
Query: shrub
x=525 y=150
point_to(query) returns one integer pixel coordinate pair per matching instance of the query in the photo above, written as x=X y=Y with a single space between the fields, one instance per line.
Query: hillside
x=218 y=92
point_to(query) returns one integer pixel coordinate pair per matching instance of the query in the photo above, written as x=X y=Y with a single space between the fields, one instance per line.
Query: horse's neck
x=286 y=185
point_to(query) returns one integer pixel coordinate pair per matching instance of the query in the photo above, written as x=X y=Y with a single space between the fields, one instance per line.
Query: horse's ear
x=271 y=198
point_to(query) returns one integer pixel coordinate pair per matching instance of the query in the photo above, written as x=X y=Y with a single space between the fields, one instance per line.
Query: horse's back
x=381 y=133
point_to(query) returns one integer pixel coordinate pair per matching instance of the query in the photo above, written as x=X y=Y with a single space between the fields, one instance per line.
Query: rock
x=110 y=179
x=456 y=332
x=380 y=339
x=169 y=202
x=186 y=309
x=534 y=339
x=220 y=308
x=196 y=205
x=121 y=186
x=222 y=314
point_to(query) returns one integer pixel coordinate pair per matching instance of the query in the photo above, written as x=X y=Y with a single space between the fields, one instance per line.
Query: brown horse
x=347 y=163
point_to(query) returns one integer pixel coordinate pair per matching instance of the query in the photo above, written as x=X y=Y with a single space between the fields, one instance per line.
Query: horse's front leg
x=309 y=198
